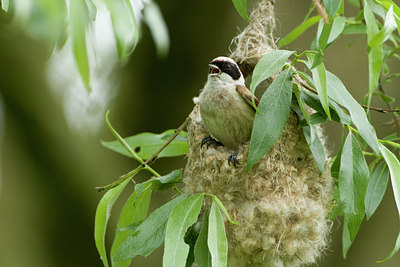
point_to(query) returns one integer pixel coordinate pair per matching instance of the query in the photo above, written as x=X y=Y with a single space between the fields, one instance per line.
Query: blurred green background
x=48 y=175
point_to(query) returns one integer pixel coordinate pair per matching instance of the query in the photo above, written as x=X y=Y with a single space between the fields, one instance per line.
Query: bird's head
x=225 y=69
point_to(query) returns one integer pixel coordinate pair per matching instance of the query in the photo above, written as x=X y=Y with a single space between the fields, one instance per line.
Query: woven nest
x=281 y=205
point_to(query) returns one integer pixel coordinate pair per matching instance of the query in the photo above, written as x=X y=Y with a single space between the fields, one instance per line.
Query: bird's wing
x=247 y=95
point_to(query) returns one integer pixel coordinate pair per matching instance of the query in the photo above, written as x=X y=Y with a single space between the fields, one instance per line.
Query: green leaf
x=299 y=30
x=375 y=54
x=336 y=112
x=337 y=28
x=392 y=137
x=317 y=149
x=149 y=235
x=376 y=189
x=335 y=168
x=268 y=65
x=394 y=169
x=353 y=182
x=148 y=143
x=241 y=7
x=154 y=19
x=338 y=93
x=336 y=204
x=201 y=252
x=319 y=76
x=103 y=212
x=269 y=121
x=355 y=29
x=217 y=242
x=346 y=241
x=386 y=98
x=182 y=216
x=133 y=212
x=323 y=33
x=394 y=251
x=160 y=183
x=126 y=30
x=389 y=26
x=79 y=20
x=332 y=6
x=387 y=4
x=5 y=5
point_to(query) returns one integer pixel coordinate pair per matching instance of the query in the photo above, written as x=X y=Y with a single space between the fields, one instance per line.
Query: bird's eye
x=228 y=67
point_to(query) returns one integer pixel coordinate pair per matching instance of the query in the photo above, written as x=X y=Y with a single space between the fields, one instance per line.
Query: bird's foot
x=210 y=141
x=233 y=158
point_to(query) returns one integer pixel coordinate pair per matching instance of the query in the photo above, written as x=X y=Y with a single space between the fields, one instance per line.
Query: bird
x=227 y=107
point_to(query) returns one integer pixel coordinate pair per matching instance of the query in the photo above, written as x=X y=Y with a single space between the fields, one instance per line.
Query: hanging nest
x=281 y=205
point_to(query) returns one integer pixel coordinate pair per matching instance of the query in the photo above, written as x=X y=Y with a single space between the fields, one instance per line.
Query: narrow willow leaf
x=389 y=26
x=149 y=235
x=201 y=252
x=317 y=149
x=346 y=241
x=134 y=211
x=103 y=212
x=335 y=168
x=376 y=189
x=158 y=28
x=160 y=183
x=182 y=216
x=337 y=113
x=319 y=77
x=389 y=3
x=394 y=169
x=324 y=31
x=337 y=92
x=375 y=54
x=148 y=143
x=79 y=20
x=299 y=30
x=268 y=65
x=332 y=6
x=353 y=182
x=394 y=251
x=336 y=204
x=355 y=29
x=126 y=30
x=274 y=110
x=5 y=5
x=337 y=28
x=241 y=7
x=216 y=240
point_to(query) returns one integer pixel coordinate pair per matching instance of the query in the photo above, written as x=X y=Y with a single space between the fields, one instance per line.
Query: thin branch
x=146 y=164
x=380 y=109
x=153 y=157
x=321 y=10
x=389 y=106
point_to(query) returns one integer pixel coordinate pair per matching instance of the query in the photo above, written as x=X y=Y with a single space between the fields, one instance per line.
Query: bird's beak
x=213 y=70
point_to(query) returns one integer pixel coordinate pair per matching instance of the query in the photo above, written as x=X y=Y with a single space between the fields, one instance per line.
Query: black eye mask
x=229 y=68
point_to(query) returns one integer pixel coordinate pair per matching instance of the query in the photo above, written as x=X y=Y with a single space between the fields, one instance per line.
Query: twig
x=146 y=164
x=153 y=157
x=321 y=11
x=380 y=87
x=380 y=109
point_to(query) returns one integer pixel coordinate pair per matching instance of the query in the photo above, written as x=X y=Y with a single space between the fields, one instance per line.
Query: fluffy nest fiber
x=281 y=205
